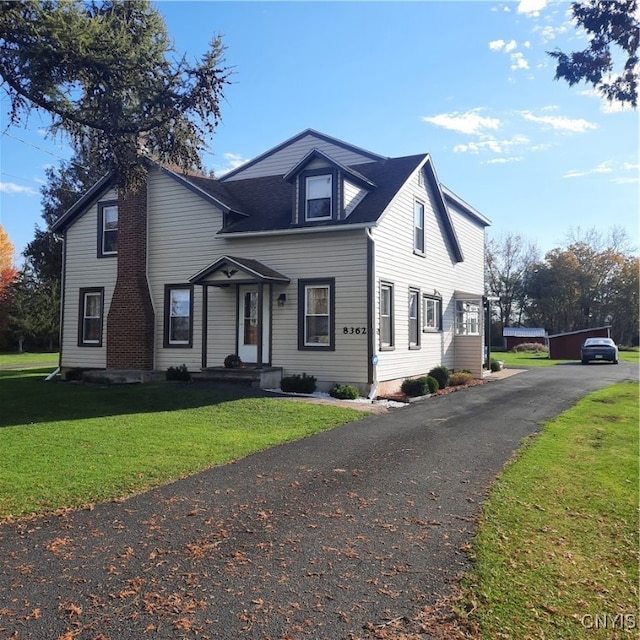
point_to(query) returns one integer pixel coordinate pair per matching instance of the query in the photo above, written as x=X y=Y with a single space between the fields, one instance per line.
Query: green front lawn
x=18 y=360
x=70 y=444
x=558 y=541
x=525 y=359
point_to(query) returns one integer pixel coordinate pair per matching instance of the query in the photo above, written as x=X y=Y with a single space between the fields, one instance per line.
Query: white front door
x=248 y=324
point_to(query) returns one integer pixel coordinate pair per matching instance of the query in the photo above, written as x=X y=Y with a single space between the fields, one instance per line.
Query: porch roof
x=231 y=269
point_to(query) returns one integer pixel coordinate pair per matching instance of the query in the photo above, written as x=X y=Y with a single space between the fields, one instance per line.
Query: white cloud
x=531 y=7
x=492 y=145
x=503 y=160
x=549 y=32
x=234 y=160
x=12 y=189
x=603 y=167
x=560 y=123
x=518 y=61
x=502 y=45
x=471 y=122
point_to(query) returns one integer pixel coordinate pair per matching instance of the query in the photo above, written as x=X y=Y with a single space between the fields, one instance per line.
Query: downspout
x=372 y=356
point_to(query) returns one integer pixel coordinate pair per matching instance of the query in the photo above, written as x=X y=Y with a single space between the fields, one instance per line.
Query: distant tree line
x=591 y=282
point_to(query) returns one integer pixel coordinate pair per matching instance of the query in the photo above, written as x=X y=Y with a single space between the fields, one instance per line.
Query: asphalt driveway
x=320 y=538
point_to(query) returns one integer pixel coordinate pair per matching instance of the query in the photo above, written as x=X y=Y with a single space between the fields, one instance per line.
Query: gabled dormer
x=324 y=189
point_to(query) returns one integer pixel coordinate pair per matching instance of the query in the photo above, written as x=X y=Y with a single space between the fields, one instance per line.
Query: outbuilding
x=514 y=336
x=566 y=346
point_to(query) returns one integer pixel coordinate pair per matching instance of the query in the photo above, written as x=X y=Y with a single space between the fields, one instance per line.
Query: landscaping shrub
x=432 y=384
x=232 y=361
x=344 y=392
x=495 y=365
x=415 y=386
x=180 y=374
x=459 y=378
x=441 y=374
x=298 y=384
x=530 y=347
x=74 y=375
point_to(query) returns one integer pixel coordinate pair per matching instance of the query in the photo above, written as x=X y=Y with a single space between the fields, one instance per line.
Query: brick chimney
x=130 y=322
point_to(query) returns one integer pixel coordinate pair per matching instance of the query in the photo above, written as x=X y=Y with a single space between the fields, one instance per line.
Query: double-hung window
x=178 y=316
x=414 y=319
x=431 y=314
x=107 y=229
x=316 y=322
x=386 y=315
x=468 y=317
x=418 y=227
x=318 y=197
x=90 y=320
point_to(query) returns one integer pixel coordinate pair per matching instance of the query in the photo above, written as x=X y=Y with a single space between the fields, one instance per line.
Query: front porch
x=258 y=378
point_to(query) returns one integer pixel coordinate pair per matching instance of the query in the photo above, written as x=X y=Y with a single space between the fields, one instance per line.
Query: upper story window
x=107 y=229
x=468 y=317
x=418 y=227
x=318 y=197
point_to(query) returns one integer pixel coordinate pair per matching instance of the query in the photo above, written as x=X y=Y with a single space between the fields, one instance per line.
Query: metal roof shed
x=566 y=346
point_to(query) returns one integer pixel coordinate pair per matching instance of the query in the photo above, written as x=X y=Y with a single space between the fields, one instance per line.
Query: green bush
x=459 y=378
x=432 y=384
x=344 y=392
x=232 y=361
x=181 y=373
x=415 y=387
x=495 y=365
x=298 y=384
x=441 y=374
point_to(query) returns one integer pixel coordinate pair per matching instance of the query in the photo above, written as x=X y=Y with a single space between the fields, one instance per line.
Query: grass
x=68 y=444
x=19 y=360
x=525 y=359
x=558 y=541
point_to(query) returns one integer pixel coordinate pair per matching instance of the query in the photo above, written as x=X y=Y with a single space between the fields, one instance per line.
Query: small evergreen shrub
x=441 y=374
x=432 y=384
x=74 y=375
x=298 y=384
x=459 y=378
x=414 y=387
x=495 y=365
x=180 y=374
x=232 y=361
x=344 y=392
x=530 y=347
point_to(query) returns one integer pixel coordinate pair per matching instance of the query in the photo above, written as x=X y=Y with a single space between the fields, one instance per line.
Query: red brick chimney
x=130 y=322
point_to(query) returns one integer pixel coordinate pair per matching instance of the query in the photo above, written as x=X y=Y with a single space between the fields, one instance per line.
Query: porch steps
x=265 y=378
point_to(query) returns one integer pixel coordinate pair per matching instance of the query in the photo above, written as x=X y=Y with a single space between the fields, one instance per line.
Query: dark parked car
x=599 y=349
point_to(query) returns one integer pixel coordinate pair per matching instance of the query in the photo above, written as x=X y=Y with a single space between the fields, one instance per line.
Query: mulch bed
x=403 y=397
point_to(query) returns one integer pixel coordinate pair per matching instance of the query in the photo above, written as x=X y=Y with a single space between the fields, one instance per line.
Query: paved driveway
x=314 y=539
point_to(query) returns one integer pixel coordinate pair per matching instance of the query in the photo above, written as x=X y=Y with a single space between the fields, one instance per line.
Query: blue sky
x=468 y=82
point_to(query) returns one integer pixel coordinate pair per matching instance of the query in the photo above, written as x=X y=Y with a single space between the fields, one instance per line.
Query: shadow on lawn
x=26 y=398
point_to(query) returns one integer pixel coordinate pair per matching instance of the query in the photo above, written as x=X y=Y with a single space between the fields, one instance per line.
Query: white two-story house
x=316 y=257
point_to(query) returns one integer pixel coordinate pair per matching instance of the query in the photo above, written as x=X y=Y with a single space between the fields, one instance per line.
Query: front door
x=248 y=324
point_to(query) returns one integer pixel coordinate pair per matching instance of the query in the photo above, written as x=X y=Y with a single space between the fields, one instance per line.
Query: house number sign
x=356 y=331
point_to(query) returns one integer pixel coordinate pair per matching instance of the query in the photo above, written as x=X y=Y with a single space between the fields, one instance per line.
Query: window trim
x=438 y=314
x=463 y=323
x=302 y=314
x=84 y=292
x=391 y=345
x=101 y=231
x=168 y=344
x=420 y=251
x=414 y=292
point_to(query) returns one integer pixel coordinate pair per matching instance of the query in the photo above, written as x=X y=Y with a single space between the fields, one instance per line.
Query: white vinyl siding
x=282 y=161
x=84 y=270
x=352 y=196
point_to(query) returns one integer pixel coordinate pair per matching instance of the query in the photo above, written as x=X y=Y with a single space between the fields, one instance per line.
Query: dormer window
x=318 y=197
